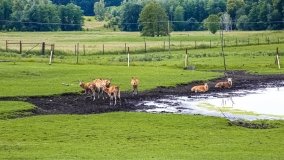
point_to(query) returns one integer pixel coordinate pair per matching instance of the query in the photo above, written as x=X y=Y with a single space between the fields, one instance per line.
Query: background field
x=129 y=135
x=98 y=42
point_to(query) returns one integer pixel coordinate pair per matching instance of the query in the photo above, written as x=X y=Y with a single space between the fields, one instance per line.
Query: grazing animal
x=86 y=86
x=134 y=82
x=200 y=88
x=99 y=85
x=225 y=84
x=114 y=93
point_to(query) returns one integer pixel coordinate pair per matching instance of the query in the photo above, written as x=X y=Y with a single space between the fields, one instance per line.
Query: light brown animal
x=98 y=86
x=114 y=93
x=134 y=82
x=200 y=88
x=86 y=86
x=225 y=84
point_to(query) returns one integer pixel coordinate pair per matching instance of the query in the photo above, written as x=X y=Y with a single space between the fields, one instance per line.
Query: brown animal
x=86 y=86
x=200 y=88
x=134 y=82
x=114 y=93
x=225 y=84
x=98 y=86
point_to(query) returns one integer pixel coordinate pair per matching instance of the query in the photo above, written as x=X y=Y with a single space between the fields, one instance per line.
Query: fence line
x=143 y=46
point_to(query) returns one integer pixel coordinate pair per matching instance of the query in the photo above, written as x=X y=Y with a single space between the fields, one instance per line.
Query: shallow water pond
x=264 y=103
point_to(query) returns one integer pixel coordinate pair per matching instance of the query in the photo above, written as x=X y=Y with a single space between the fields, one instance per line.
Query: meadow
x=128 y=135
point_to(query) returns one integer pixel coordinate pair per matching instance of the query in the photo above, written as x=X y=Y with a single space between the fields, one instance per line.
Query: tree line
x=189 y=15
x=88 y=5
x=148 y=16
x=39 y=15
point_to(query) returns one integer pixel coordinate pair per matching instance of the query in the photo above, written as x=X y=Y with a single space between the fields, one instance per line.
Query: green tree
x=5 y=13
x=200 y=12
x=242 y=23
x=129 y=16
x=216 y=6
x=189 y=8
x=99 y=10
x=212 y=23
x=192 y=25
x=263 y=8
x=253 y=17
x=71 y=17
x=233 y=6
x=153 y=20
x=46 y=16
x=275 y=19
x=179 y=18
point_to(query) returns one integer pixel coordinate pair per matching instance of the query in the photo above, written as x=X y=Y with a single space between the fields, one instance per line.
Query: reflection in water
x=266 y=103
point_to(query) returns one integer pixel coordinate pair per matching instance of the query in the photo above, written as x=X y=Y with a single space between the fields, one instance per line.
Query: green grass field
x=129 y=135
x=135 y=136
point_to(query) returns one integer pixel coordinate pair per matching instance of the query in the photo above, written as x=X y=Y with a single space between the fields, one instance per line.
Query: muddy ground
x=76 y=103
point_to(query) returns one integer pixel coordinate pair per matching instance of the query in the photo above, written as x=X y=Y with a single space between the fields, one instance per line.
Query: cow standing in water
x=134 y=82
x=225 y=84
x=200 y=88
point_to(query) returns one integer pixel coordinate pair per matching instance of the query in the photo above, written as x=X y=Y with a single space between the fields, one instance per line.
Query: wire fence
x=101 y=48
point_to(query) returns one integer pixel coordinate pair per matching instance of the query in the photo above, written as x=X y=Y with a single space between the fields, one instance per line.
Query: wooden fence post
x=125 y=51
x=75 y=50
x=51 y=53
x=77 y=55
x=128 y=58
x=164 y=45
x=84 y=50
x=6 y=45
x=43 y=48
x=145 y=45
x=21 y=47
x=103 y=48
x=78 y=49
x=186 y=59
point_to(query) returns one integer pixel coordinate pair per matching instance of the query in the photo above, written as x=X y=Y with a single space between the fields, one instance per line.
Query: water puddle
x=264 y=103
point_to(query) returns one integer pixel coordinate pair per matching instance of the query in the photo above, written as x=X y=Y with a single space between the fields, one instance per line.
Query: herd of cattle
x=103 y=87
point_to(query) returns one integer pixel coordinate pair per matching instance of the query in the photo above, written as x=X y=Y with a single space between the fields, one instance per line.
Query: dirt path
x=73 y=103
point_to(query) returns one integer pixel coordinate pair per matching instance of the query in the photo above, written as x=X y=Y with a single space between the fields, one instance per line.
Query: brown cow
x=134 y=82
x=200 y=88
x=98 y=86
x=86 y=86
x=114 y=93
x=225 y=84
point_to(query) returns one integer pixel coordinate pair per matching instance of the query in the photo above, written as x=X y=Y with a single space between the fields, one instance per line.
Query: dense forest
x=184 y=15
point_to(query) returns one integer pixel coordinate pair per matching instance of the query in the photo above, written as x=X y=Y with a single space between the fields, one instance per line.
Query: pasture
x=128 y=135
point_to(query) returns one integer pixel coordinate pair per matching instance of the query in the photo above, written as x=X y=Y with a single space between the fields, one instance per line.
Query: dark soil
x=75 y=103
